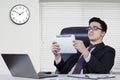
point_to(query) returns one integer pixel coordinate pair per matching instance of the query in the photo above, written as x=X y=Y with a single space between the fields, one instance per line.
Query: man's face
x=95 y=32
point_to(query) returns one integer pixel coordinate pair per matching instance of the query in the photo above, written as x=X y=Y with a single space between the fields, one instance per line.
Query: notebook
x=20 y=65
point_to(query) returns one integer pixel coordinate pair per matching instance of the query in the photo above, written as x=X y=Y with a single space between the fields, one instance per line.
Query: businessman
x=97 y=58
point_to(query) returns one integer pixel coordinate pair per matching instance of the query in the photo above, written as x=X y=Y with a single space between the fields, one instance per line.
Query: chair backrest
x=80 y=33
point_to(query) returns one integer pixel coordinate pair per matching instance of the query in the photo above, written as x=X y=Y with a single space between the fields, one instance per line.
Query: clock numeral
x=26 y=18
x=23 y=8
x=20 y=7
x=26 y=11
x=27 y=14
x=19 y=21
x=13 y=18
x=12 y=14
x=16 y=8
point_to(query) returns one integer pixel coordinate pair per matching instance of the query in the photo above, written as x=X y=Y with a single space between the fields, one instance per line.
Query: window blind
x=57 y=15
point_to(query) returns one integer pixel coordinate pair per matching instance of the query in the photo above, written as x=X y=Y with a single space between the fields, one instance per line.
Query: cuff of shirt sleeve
x=87 y=59
x=58 y=61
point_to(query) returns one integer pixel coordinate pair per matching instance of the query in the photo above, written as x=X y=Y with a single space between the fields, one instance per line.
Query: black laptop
x=20 y=65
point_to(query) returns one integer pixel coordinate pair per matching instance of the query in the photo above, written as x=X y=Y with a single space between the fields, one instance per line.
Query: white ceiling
x=79 y=0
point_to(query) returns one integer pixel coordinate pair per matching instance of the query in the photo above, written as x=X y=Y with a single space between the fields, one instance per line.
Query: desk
x=60 y=77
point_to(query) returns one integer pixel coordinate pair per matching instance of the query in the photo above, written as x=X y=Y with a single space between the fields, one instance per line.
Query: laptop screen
x=20 y=65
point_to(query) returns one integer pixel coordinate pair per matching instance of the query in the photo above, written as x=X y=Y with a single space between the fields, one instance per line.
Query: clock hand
x=17 y=12
x=21 y=13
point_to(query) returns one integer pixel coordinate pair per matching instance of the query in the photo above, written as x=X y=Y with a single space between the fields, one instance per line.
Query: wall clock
x=19 y=14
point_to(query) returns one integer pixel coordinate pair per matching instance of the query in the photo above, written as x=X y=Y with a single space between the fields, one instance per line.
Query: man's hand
x=55 y=49
x=79 y=45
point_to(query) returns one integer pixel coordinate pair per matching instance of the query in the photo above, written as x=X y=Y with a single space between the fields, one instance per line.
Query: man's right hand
x=55 y=49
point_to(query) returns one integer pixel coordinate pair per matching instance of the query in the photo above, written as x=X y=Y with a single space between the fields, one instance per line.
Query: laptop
x=20 y=65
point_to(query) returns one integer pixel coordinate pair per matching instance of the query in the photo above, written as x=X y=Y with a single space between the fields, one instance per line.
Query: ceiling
x=80 y=1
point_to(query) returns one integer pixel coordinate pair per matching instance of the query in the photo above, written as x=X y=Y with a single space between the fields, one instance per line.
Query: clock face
x=19 y=14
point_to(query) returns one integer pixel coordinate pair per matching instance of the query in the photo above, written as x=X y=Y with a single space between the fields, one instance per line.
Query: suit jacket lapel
x=98 y=47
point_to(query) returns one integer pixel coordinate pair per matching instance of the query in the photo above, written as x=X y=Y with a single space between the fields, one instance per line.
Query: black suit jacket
x=101 y=61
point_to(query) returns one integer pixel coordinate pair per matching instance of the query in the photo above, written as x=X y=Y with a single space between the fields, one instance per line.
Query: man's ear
x=103 y=33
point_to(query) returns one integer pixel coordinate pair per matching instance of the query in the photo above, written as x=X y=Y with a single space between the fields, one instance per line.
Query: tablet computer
x=66 y=44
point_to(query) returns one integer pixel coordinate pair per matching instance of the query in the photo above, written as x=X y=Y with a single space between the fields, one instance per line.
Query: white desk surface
x=62 y=77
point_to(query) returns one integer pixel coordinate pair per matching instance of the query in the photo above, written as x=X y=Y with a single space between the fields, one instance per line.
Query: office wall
x=19 y=38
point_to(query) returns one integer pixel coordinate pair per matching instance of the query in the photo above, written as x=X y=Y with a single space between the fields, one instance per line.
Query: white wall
x=19 y=38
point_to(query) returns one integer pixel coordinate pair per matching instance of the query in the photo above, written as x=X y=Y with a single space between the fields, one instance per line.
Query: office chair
x=80 y=34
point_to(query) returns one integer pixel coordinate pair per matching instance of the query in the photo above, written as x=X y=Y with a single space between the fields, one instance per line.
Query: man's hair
x=103 y=24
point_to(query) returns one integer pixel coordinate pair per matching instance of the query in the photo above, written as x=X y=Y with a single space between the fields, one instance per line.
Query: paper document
x=66 y=43
x=93 y=76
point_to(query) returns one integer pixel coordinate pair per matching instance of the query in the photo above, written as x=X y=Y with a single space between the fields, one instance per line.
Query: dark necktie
x=91 y=46
x=81 y=62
